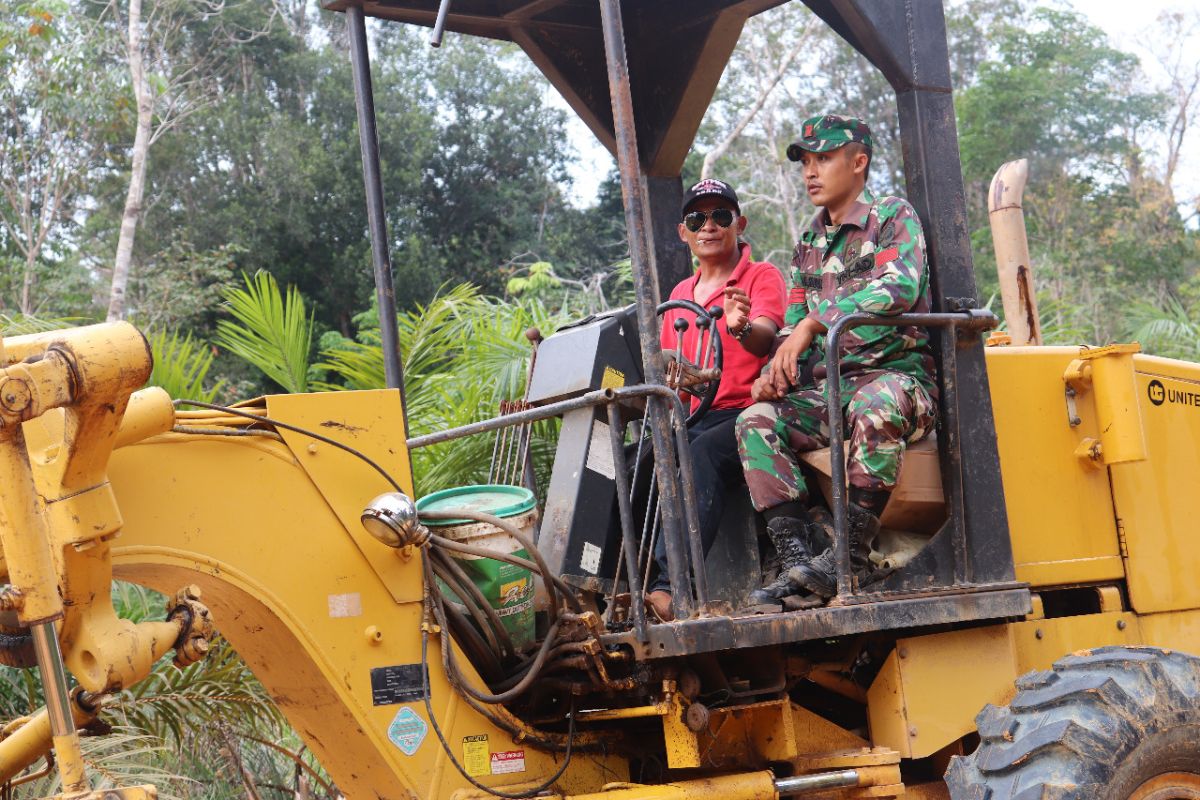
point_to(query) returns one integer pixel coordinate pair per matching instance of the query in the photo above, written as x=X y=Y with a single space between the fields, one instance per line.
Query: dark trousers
x=716 y=468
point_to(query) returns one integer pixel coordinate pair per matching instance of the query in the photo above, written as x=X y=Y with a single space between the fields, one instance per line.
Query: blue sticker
x=407 y=731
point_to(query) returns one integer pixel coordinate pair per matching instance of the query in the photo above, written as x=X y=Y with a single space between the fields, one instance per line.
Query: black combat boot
x=790 y=538
x=796 y=539
x=819 y=575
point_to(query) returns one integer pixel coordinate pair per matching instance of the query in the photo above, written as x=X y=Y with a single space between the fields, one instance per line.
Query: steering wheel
x=698 y=374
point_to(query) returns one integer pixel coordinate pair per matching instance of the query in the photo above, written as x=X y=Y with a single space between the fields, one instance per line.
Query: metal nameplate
x=402 y=683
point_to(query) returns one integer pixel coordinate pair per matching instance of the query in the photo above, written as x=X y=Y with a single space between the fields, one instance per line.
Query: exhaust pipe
x=1012 y=252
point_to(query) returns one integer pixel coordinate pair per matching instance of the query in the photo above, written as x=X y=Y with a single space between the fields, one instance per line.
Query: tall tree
x=172 y=71
x=1060 y=94
x=56 y=116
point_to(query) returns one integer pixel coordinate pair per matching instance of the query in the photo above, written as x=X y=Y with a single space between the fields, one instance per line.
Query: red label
x=808 y=131
x=507 y=761
x=796 y=295
x=884 y=256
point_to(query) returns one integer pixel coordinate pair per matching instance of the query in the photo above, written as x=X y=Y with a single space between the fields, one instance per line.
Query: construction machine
x=1028 y=637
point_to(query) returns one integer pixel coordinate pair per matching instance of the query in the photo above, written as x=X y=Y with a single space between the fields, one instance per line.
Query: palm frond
x=1169 y=329
x=181 y=366
x=271 y=333
x=18 y=324
x=121 y=758
x=219 y=688
x=463 y=354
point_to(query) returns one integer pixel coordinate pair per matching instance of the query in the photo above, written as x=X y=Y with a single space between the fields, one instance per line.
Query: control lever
x=716 y=312
x=702 y=325
x=681 y=326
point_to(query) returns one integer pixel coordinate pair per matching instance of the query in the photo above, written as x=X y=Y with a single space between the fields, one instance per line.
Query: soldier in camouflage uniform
x=860 y=253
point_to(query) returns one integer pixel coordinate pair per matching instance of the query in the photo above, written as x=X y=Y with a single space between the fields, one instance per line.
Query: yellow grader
x=1027 y=639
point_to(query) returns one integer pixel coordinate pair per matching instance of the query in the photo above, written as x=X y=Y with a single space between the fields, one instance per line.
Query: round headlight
x=392 y=519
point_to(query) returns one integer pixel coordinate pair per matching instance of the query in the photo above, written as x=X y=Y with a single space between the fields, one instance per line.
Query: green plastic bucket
x=507 y=587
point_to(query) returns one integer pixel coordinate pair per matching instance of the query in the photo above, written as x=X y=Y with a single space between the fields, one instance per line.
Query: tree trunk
x=27 y=284
x=137 y=176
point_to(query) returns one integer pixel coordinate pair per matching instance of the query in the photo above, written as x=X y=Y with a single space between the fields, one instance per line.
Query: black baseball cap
x=710 y=187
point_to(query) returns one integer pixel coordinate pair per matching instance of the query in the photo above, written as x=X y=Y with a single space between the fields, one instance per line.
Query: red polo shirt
x=763 y=283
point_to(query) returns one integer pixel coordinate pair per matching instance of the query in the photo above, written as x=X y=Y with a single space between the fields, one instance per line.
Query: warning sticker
x=612 y=379
x=476 y=756
x=407 y=731
x=600 y=454
x=508 y=761
x=590 y=560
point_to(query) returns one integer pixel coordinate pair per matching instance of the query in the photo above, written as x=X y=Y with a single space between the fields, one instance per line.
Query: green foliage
x=123 y=757
x=579 y=296
x=181 y=288
x=57 y=105
x=463 y=354
x=1169 y=329
x=539 y=280
x=190 y=732
x=18 y=324
x=181 y=366
x=171 y=703
x=271 y=332
x=1056 y=92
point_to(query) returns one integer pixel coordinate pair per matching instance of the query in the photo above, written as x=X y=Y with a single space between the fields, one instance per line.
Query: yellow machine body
x=1098 y=455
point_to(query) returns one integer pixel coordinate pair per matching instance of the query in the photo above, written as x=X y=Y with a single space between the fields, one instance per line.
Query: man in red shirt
x=752 y=294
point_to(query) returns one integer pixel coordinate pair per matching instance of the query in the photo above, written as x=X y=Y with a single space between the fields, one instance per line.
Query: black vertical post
x=368 y=139
x=672 y=261
x=934 y=181
x=637 y=223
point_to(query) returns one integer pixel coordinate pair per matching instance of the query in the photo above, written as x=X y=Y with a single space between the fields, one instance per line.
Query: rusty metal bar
x=637 y=610
x=368 y=139
x=691 y=517
x=975 y=320
x=638 y=229
x=596 y=398
x=951 y=450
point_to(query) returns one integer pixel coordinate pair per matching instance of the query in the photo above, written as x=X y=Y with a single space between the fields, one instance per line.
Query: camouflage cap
x=822 y=134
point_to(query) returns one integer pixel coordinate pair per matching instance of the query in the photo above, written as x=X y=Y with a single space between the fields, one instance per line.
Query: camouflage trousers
x=886 y=413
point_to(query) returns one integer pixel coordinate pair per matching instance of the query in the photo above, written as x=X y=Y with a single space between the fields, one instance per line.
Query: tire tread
x=1067 y=729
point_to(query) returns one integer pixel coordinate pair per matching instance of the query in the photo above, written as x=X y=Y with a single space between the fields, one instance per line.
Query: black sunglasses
x=695 y=220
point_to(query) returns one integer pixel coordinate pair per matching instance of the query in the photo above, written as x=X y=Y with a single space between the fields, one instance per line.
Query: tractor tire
x=1114 y=723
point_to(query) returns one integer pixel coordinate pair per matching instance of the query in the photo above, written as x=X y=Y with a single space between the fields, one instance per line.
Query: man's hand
x=737 y=308
x=764 y=389
x=783 y=370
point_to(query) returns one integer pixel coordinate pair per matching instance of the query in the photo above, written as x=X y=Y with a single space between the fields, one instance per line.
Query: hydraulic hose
x=480 y=609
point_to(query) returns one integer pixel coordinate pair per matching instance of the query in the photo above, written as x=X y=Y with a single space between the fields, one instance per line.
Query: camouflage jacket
x=875 y=262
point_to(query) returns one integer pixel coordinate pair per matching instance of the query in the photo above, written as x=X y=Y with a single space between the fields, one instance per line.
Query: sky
x=1112 y=16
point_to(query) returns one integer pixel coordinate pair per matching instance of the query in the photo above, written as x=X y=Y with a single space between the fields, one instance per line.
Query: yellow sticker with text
x=613 y=379
x=477 y=758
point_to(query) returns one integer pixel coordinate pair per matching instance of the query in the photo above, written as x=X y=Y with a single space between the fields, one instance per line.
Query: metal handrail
x=972 y=320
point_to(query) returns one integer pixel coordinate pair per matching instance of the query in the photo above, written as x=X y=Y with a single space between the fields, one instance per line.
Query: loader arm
x=268 y=527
